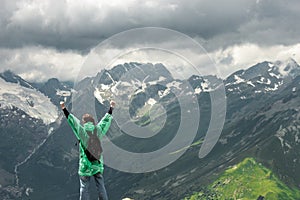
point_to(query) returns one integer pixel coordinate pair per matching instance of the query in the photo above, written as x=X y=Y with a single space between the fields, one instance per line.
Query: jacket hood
x=89 y=126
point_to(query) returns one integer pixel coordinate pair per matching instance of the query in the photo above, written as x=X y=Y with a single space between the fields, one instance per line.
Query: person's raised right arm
x=63 y=107
x=73 y=122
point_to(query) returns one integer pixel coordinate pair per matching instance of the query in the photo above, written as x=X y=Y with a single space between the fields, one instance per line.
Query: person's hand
x=62 y=105
x=112 y=104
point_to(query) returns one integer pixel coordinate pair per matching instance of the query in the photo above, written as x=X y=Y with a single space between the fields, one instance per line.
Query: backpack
x=94 y=149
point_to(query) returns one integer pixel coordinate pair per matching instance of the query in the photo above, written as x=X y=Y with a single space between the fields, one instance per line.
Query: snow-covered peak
x=29 y=100
x=288 y=67
x=263 y=77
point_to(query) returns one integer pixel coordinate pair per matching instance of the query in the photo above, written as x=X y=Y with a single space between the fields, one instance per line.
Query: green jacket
x=86 y=167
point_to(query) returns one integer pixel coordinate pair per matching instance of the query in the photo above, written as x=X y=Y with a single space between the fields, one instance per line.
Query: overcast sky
x=40 y=39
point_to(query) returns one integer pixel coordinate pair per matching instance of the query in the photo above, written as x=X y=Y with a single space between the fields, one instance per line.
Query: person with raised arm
x=89 y=135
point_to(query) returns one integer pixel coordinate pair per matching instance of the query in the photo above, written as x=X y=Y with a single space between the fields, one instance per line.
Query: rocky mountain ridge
x=262 y=121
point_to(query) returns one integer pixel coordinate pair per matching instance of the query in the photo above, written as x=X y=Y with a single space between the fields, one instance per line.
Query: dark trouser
x=84 y=187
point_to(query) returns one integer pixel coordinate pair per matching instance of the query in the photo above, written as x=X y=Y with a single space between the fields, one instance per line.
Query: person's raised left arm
x=105 y=122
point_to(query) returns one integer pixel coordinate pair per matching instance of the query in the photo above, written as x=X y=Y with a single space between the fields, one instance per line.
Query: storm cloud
x=75 y=27
x=80 y=25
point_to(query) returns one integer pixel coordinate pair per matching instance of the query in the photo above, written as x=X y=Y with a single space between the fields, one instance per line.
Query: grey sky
x=39 y=37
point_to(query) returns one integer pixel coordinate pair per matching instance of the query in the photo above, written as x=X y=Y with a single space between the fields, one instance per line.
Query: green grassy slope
x=247 y=181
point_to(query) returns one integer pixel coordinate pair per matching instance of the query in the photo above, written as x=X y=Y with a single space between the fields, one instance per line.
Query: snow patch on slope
x=238 y=79
x=274 y=75
x=175 y=84
x=31 y=101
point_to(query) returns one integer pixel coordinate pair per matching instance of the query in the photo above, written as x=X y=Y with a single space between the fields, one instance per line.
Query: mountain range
x=39 y=156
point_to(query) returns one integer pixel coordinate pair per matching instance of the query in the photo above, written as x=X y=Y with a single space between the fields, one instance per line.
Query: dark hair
x=88 y=118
